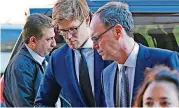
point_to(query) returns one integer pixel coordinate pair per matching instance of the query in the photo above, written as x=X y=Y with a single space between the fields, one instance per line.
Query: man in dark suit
x=112 y=33
x=74 y=71
x=26 y=68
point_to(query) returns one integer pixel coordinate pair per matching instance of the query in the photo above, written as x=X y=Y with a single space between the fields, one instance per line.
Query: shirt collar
x=131 y=60
x=37 y=57
x=88 y=44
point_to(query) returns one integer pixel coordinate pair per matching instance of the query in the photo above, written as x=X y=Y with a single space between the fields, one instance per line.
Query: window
x=157 y=30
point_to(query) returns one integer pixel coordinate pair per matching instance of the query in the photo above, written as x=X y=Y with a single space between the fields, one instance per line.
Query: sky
x=13 y=11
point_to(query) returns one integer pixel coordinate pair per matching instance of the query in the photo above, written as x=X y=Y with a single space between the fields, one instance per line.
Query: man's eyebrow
x=164 y=98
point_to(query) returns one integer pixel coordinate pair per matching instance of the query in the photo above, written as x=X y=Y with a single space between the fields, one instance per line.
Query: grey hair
x=113 y=13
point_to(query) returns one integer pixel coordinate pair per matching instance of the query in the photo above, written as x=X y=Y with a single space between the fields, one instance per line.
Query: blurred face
x=75 y=33
x=45 y=45
x=103 y=39
x=161 y=94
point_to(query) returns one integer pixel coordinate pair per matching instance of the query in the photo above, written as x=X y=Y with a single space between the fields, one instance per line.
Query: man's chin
x=73 y=46
x=46 y=54
x=105 y=57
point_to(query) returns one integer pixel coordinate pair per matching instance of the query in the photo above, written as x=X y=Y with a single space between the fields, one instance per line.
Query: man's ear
x=33 y=41
x=87 y=20
x=118 y=30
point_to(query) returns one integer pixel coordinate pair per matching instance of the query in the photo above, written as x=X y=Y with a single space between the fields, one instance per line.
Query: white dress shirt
x=88 y=53
x=36 y=56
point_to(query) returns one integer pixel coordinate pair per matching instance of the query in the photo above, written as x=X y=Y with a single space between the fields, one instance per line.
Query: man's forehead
x=96 y=24
x=48 y=32
x=68 y=24
x=47 y=29
x=96 y=21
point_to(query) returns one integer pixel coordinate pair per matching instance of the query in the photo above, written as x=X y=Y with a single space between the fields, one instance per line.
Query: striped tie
x=125 y=96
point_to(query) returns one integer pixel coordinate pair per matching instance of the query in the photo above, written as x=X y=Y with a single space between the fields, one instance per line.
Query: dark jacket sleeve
x=21 y=88
x=49 y=89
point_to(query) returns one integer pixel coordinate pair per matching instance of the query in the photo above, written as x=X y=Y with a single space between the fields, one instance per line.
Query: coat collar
x=36 y=56
x=109 y=76
x=71 y=69
x=98 y=67
x=141 y=63
x=24 y=51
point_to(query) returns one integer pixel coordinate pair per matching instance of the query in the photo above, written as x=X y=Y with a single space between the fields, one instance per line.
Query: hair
x=113 y=13
x=65 y=10
x=158 y=73
x=34 y=26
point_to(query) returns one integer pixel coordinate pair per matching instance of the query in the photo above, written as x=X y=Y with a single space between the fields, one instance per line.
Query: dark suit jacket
x=22 y=79
x=61 y=78
x=147 y=57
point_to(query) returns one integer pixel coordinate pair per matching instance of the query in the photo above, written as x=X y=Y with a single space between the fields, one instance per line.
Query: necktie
x=84 y=81
x=125 y=96
x=44 y=64
x=117 y=102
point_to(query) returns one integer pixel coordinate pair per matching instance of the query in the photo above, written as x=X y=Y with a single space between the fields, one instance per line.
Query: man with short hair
x=112 y=29
x=26 y=69
x=75 y=69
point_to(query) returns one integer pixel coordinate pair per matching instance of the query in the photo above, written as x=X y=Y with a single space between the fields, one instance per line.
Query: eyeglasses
x=64 y=32
x=96 y=38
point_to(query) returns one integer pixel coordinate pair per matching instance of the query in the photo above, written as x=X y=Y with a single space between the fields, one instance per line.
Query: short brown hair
x=158 y=73
x=65 y=10
x=34 y=25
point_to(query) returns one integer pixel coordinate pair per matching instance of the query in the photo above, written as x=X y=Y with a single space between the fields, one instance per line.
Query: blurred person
x=74 y=71
x=26 y=69
x=112 y=29
x=159 y=89
x=2 y=103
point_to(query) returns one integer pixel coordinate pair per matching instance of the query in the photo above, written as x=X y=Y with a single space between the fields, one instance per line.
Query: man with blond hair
x=74 y=71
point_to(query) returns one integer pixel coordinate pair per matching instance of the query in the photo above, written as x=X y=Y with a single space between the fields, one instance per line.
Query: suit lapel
x=141 y=63
x=110 y=80
x=71 y=68
x=98 y=67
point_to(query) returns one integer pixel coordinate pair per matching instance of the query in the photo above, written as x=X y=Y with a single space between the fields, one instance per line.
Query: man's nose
x=69 y=35
x=95 y=46
x=156 y=105
x=54 y=44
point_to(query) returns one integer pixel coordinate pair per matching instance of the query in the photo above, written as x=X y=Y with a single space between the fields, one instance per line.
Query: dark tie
x=125 y=96
x=117 y=101
x=44 y=65
x=84 y=81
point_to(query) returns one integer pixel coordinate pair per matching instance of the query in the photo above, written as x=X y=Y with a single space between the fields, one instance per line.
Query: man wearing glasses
x=112 y=34
x=74 y=71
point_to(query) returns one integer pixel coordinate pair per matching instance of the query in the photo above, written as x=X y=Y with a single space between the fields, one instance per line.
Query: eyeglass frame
x=70 y=30
x=96 y=38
